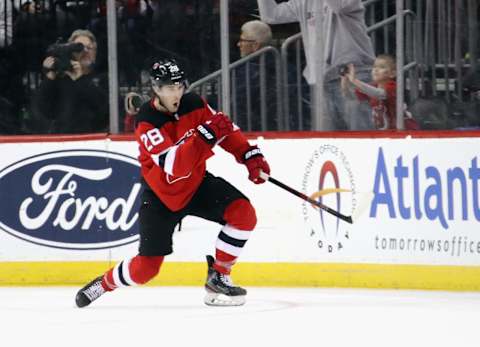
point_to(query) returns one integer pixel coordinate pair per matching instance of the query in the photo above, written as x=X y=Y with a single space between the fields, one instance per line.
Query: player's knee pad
x=144 y=268
x=240 y=214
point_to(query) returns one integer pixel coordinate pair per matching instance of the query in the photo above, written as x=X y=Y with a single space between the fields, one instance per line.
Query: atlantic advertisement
x=412 y=201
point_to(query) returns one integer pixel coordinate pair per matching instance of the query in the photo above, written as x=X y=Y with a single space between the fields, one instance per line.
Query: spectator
x=248 y=87
x=253 y=81
x=254 y=35
x=381 y=94
x=346 y=42
x=72 y=98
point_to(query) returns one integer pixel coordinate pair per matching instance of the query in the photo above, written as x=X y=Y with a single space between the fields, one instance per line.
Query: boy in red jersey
x=176 y=132
x=381 y=94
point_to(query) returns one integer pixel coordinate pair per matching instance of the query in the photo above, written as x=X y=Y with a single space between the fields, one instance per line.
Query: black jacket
x=66 y=106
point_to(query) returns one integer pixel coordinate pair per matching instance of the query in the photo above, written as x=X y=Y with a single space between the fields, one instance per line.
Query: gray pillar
x=112 y=66
x=400 y=62
x=318 y=117
x=225 y=55
x=472 y=33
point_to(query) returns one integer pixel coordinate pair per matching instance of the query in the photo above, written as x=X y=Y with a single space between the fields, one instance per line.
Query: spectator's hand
x=347 y=82
x=133 y=101
x=255 y=163
x=76 y=71
x=48 y=64
x=351 y=72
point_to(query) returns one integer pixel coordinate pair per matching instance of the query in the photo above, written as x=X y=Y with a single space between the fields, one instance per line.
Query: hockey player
x=176 y=132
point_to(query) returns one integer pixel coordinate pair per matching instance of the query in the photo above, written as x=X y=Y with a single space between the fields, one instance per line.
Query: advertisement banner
x=416 y=199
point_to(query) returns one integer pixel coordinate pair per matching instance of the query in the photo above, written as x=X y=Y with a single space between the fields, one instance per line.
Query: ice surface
x=176 y=316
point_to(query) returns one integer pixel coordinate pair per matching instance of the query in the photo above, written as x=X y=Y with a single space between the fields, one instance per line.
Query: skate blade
x=216 y=299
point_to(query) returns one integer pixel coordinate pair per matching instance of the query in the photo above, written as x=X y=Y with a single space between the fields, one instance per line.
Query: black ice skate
x=90 y=292
x=220 y=289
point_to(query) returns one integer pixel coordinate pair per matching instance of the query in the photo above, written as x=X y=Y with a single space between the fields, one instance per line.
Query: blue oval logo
x=75 y=199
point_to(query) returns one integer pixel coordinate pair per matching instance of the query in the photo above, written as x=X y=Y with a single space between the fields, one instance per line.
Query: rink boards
x=69 y=212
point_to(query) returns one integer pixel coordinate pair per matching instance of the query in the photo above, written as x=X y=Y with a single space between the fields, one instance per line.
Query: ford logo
x=75 y=199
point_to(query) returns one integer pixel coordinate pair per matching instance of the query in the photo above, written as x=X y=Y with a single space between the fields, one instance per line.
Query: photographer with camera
x=132 y=103
x=72 y=98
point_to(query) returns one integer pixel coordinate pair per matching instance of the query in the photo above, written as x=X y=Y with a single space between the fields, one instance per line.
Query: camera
x=133 y=102
x=137 y=101
x=343 y=70
x=63 y=53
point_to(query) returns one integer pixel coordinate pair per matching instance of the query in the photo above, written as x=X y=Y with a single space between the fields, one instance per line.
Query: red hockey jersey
x=384 y=112
x=172 y=154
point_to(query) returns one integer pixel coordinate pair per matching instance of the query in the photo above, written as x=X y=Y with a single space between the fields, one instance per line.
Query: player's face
x=382 y=71
x=170 y=96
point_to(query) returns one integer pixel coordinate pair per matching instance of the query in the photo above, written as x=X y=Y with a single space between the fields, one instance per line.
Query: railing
x=412 y=51
x=441 y=47
x=412 y=58
x=299 y=90
x=444 y=41
x=290 y=84
x=210 y=88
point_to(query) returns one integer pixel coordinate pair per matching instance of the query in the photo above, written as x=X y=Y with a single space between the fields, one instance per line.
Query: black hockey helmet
x=166 y=72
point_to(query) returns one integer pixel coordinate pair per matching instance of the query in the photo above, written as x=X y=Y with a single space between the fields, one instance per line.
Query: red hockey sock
x=223 y=261
x=241 y=219
x=135 y=271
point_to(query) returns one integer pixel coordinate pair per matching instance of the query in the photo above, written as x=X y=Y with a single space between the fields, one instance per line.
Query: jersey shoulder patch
x=189 y=103
x=148 y=114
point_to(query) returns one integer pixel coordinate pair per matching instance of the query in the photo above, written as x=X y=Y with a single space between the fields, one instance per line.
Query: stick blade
x=364 y=202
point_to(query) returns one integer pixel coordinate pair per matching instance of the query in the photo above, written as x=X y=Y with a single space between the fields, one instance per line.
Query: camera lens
x=137 y=101
x=343 y=70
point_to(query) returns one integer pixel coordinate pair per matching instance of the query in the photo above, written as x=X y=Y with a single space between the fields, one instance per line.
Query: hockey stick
x=337 y=214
